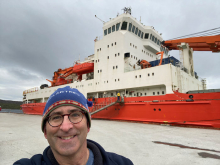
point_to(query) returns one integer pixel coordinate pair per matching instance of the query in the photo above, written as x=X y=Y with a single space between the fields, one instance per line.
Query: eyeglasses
x=75 y=117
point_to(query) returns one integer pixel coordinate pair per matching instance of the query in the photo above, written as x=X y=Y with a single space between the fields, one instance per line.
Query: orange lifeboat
x=83 y=68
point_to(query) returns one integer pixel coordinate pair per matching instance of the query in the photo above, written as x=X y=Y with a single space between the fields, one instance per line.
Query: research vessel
x=132 y=59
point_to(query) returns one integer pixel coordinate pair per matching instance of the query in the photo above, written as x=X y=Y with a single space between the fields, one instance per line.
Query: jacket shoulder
x=118 y=159
x=34 y=160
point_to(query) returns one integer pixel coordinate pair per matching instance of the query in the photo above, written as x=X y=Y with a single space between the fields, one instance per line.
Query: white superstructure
x=125 y=41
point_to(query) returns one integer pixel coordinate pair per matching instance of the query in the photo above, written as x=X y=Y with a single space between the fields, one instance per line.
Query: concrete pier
x=144 y=144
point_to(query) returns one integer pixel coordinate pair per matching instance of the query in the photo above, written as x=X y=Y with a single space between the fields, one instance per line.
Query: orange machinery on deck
x=60 y=75
x=204 y=43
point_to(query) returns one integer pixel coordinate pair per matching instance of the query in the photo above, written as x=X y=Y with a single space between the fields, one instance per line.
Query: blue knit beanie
x=64 y=97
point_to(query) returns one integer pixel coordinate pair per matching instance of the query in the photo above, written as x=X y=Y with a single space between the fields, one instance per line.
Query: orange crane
x=60 y=75
x=204 y=43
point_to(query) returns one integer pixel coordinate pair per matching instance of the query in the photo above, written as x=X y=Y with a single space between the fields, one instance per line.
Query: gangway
x=108 y=105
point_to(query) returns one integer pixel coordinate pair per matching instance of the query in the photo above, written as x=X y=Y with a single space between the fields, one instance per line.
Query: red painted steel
x=174 y=109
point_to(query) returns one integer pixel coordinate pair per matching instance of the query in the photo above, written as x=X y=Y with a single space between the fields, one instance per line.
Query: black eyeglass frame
x=48 y=118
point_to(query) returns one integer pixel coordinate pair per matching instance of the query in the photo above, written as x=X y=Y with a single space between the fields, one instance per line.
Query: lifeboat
x=83 y=68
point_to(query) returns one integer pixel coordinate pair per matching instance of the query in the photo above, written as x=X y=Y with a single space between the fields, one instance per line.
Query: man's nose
x=66 y=125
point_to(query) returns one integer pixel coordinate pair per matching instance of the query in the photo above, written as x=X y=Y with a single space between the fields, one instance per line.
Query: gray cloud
x=38 y=37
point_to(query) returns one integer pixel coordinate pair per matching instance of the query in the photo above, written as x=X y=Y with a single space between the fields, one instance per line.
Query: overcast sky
x=39 y=36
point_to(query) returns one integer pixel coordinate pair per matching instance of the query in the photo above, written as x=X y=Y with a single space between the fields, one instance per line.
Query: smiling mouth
x=67 y=137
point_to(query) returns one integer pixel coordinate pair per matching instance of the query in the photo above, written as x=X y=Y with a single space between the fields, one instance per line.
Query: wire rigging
x=215 y=31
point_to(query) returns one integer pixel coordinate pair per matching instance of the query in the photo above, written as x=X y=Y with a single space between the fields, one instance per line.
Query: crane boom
x=204 y=43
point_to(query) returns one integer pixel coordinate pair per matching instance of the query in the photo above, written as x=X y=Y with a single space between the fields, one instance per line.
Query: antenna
x=127 y=10
x=100 y=19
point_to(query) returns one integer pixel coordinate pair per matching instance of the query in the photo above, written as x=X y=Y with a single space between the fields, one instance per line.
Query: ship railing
x=30 y=90
x=107 y=101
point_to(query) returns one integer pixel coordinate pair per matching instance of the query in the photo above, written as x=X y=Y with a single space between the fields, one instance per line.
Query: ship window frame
x=153 y=93
x=133 y=29
x=158 y=42
x=113 y=28
x=118 y=54
x=136 y=30
x=118 y=26
x=105 y=32
x=130 y=27
x=107 y=57
x=139 y=33
x=150 y=36
x=146 y=35
x=155 y=40
x=158 y=93
x=142 y=35
x=116 y=67
x=162 y=92
x=109 y=30
x=124 y=25
x=153 y=74
x=113 y=67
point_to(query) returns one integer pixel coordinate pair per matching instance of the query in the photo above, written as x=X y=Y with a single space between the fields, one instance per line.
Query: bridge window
x=142 y=34
x=105 y=32
x=117 y=26
x=109 y=30
x=163 y=92
x=139 y=33
x=158 y=42
x=158 y=93
x=113 y=28
x=155 y=40
x=152 y=38
x=153 y=93
x=133 y=28
x=130 y=26
x=146 y=35
x=124 y=26
x=136 y=31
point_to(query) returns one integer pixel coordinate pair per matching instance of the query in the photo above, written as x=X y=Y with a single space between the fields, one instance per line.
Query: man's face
x=67 y=139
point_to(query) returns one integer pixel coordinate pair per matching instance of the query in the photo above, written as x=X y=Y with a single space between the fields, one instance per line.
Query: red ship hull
x=33 y=108
x=175 y=109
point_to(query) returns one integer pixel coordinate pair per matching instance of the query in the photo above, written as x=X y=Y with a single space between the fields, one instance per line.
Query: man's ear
x=45 y=132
